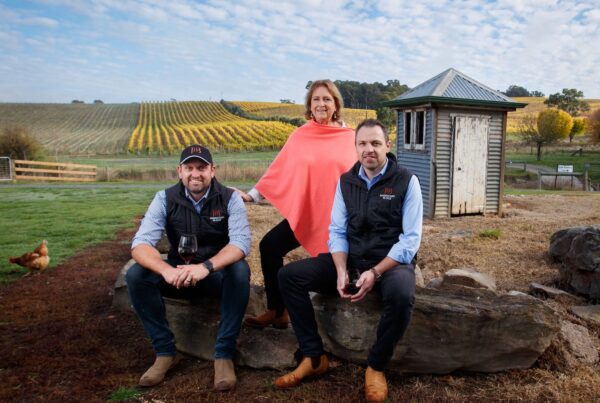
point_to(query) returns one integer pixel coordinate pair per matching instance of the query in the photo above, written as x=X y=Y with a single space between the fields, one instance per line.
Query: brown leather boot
x=225 y=378
x=269 y=318
x=156 y=373
x=306 y=369
x=376 y=388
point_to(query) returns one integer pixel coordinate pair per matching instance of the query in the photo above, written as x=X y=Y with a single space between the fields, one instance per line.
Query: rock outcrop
x=578 y=250
x=463 y=329
x=457 y=328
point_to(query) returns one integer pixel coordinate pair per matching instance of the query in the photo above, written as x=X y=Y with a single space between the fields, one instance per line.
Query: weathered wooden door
x=469 y=164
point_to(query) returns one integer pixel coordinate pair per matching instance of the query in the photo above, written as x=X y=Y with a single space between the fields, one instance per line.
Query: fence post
x=540 y=180
x=586 y=181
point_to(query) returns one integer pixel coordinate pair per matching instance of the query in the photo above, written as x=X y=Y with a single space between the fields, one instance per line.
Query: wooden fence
x=53 y=171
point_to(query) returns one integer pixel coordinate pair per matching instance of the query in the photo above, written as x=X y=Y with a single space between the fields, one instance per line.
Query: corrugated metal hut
x=451 y=134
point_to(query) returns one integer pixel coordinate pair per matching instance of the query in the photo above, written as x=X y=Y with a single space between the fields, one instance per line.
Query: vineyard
x=534 y=106
x=165 y=127
x=169 y=126
x=74 y=128
x=352 y=117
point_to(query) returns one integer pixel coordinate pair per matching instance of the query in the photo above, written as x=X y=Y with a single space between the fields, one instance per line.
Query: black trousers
x=397 y=290
x=277 y=243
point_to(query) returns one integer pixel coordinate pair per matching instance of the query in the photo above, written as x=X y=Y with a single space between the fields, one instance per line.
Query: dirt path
x=60 y=340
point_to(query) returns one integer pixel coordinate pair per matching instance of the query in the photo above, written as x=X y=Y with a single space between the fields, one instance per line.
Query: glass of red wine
x=187 y=247
x=353 y=276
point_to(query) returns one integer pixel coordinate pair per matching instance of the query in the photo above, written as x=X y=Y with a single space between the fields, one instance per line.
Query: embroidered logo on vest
x=216 y=216
x=388 y=194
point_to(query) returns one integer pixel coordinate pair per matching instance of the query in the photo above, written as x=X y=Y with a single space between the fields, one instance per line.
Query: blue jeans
x=231 y=283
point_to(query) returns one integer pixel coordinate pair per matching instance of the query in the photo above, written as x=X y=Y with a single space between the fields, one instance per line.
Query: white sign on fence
x=564 y=168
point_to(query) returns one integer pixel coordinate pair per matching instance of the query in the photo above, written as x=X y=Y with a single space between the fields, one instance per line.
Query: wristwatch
x=375 y=273
x=209 y=266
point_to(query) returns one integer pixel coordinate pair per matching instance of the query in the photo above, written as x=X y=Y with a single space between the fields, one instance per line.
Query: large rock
x=578 y=341
x=578 y=250
x=195 y=326
x=458 y=328
x=468 y=329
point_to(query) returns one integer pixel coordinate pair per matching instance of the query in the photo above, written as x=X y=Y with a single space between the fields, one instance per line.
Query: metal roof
x=454 y=87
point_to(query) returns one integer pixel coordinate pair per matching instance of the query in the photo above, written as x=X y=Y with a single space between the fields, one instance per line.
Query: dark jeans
x=397 y=290
x=231 y=284
x=277 y=243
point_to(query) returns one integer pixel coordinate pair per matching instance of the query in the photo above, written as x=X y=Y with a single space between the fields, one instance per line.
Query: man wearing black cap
x=198 y=205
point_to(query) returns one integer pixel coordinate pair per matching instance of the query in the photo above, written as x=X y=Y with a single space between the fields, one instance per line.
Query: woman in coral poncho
x=301 y=184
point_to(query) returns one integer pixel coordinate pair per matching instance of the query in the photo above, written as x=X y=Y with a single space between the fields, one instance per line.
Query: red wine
x=186 y=255
x=351 y=288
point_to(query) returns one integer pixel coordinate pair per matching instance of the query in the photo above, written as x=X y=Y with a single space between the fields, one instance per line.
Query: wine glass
x=187 y=247
x=353 y=276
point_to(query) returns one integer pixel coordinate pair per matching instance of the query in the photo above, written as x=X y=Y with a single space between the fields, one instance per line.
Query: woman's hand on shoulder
x=245 y=196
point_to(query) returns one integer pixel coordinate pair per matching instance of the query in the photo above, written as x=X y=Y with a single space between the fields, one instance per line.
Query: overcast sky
x=153 y=50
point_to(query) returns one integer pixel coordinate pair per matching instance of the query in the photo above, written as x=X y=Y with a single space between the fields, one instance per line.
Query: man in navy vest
x=201 y=206
x=375 y=231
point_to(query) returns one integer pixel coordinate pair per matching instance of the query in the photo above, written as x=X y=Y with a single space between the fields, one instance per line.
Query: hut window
x=420 y=130
x=407 y=128
x=414 y=130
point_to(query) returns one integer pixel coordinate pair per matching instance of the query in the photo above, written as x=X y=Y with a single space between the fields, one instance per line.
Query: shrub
x=554 y=124
x=593 y=124
x=579 y=126
x=16 y=142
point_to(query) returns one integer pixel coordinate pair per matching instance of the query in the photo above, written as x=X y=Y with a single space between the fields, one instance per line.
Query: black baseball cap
x=195 y=151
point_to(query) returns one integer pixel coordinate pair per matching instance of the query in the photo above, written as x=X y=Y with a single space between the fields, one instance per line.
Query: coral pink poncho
x=302 y=179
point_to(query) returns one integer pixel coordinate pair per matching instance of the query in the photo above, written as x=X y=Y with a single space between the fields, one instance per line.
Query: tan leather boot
x=269 y=318
x=156 y=373
x=224 y=375
x=376 y=389
x=304 y=370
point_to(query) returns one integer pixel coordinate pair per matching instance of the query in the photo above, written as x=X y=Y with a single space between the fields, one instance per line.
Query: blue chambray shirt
x=155 y=221
x=408 y=243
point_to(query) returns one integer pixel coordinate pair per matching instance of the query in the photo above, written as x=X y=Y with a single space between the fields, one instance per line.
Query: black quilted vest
x=210 y=226
x=375 y=215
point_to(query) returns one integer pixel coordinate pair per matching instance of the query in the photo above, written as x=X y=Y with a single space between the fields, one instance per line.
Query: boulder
x=578 y=250
x=459 y=328
x=578 y=341
x=195 y=324
x=467 y=329
x=195 y=327
x=554 y=293
x=468 y=278
x=589 y=313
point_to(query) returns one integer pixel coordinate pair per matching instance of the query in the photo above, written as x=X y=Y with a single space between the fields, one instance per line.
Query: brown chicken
x=34 y=261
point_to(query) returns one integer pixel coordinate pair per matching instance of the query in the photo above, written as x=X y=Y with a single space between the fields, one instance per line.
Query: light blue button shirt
x=155 y=221
x=408 y=243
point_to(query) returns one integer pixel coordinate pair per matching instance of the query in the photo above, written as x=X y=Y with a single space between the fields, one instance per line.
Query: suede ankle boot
x=309 y=367
x=268 y=318
x=225 y=378
x=376 y=388
x=156 y=373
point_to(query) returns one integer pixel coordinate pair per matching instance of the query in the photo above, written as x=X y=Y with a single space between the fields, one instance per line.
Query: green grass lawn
x=553 y=159
x=69 y=217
